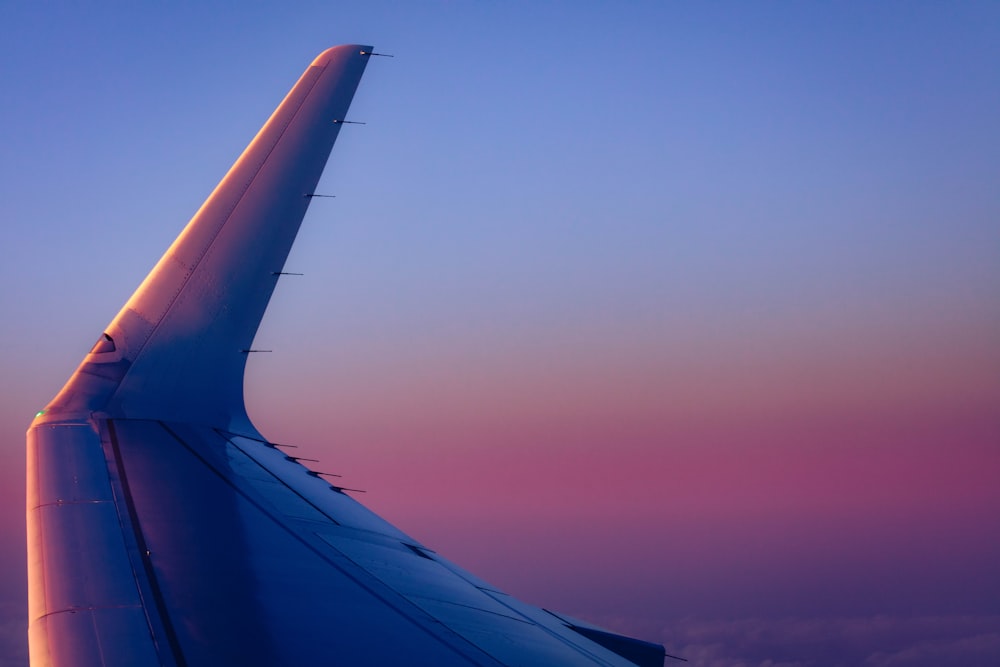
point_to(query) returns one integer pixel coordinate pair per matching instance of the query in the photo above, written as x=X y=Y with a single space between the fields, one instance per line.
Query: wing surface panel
x=339 y=507
x=98 y=637
x=230 y=562
x=238 y=576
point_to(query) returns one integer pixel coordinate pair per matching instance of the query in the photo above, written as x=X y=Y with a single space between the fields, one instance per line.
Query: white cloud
x=877 y=641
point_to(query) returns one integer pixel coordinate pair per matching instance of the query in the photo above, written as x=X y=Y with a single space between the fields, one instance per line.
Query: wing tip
x=338 y=51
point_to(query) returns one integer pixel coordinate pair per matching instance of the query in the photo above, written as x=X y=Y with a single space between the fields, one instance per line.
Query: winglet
x=175 y=351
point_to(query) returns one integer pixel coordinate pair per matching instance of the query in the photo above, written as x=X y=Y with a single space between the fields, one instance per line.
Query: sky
x=682 y=318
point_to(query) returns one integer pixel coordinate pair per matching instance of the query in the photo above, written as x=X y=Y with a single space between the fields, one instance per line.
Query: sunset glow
x=679 y=319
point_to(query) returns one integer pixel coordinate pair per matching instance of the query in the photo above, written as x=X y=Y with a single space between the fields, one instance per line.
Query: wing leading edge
x=163 y=529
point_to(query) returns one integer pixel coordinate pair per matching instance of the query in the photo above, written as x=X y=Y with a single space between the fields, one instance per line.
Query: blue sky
x=756 y=243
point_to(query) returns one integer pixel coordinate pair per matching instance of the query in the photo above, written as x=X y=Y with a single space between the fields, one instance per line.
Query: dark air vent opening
x=104 y=344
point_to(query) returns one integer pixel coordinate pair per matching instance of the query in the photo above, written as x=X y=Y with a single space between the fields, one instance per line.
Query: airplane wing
x=164 y=529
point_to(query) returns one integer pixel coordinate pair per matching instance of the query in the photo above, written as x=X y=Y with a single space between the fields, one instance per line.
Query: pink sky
x=685 y=321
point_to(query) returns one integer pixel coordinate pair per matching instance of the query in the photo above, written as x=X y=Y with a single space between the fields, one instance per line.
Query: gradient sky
x=683 y=318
